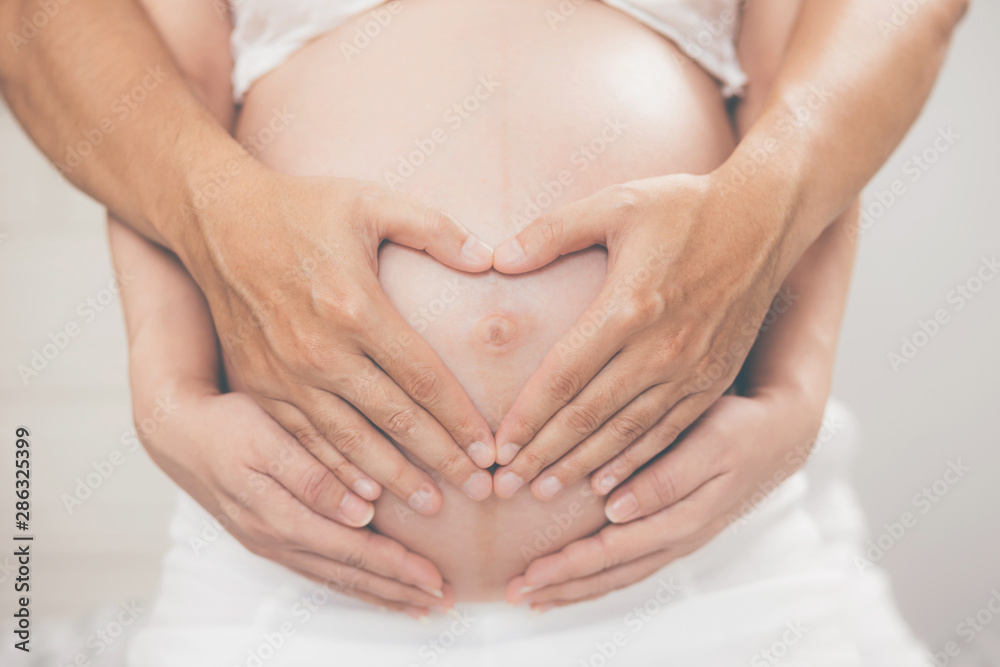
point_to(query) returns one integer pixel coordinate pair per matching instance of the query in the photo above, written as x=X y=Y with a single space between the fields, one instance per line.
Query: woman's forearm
x=98 y=92
x=170 y=333
x=851 y=84
x=794 y=354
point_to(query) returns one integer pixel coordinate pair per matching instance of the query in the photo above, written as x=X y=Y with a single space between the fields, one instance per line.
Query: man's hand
x=681 y=501
x=242 y=467
x=690 y=278
x=290 y=275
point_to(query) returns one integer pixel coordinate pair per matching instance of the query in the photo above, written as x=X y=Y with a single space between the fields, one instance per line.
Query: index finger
x=569 y=366
x=417 y=369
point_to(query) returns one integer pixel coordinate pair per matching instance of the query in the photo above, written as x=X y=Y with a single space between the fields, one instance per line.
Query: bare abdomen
x=486 y=110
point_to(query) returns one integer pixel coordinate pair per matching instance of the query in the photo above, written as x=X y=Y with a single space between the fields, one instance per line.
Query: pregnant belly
x=488 y=111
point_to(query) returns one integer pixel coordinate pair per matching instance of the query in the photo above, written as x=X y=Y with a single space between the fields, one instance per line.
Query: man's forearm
x=849 y=89
x=98 y=92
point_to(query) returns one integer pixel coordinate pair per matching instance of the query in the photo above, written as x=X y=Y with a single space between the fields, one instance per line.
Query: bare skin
x=496 y=329
x=61 y=82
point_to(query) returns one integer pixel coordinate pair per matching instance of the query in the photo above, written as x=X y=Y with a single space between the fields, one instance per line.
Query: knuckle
x=310 y=350
x=663 y=486
x=549 y=231
x=610 y=553
x=400 y=422
x=667 y=433
x=437 y=222
x=530 y=459
x=349 y=442
x=626 y=428
x=563 y=384
x=638 y=310
x=315 y=485
x=395 y=479
x=350 y=313
x=365 y=197
x=574 y=467
x=666 y=351
x=623 y=198
x=583 y=419
x=355 y=559
x=423 y=385
x=452 y=464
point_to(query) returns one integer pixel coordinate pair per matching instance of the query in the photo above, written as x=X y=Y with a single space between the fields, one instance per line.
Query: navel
x=496 y=330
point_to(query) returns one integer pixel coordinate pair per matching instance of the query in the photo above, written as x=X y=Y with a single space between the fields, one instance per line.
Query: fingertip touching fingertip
x=509 y=254
x=477 y=252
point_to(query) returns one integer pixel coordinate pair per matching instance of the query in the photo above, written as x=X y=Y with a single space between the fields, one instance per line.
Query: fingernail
x=507 y=453
x=421 y=498
x=549 y=486
x=356 y=510
x=479 y=486
x=366 y=489
x=436 y=592
x=606 y=483
x=476 y=251
x=508 y=483
x=622 y=509
x=528 y=589
x=510 y=253
x=481 y=455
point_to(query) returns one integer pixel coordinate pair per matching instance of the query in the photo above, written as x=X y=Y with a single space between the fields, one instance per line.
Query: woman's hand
x=280 y=502
x=682 y=500
x=291 y=281
x=691 y=274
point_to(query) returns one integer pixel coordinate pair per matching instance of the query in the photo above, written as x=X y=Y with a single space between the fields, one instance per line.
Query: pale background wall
x=941 y=406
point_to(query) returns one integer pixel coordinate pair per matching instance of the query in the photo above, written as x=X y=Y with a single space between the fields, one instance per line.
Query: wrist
x=762 y=184
x=208 y=164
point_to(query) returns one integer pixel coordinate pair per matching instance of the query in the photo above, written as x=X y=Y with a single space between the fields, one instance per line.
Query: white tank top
x=266 y=32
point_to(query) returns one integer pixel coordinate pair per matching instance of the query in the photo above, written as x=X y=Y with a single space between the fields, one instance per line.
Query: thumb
x=568 y=229
x=410 y=222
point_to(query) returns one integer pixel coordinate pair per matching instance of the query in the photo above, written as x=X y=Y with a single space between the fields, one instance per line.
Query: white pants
x=783 y=587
